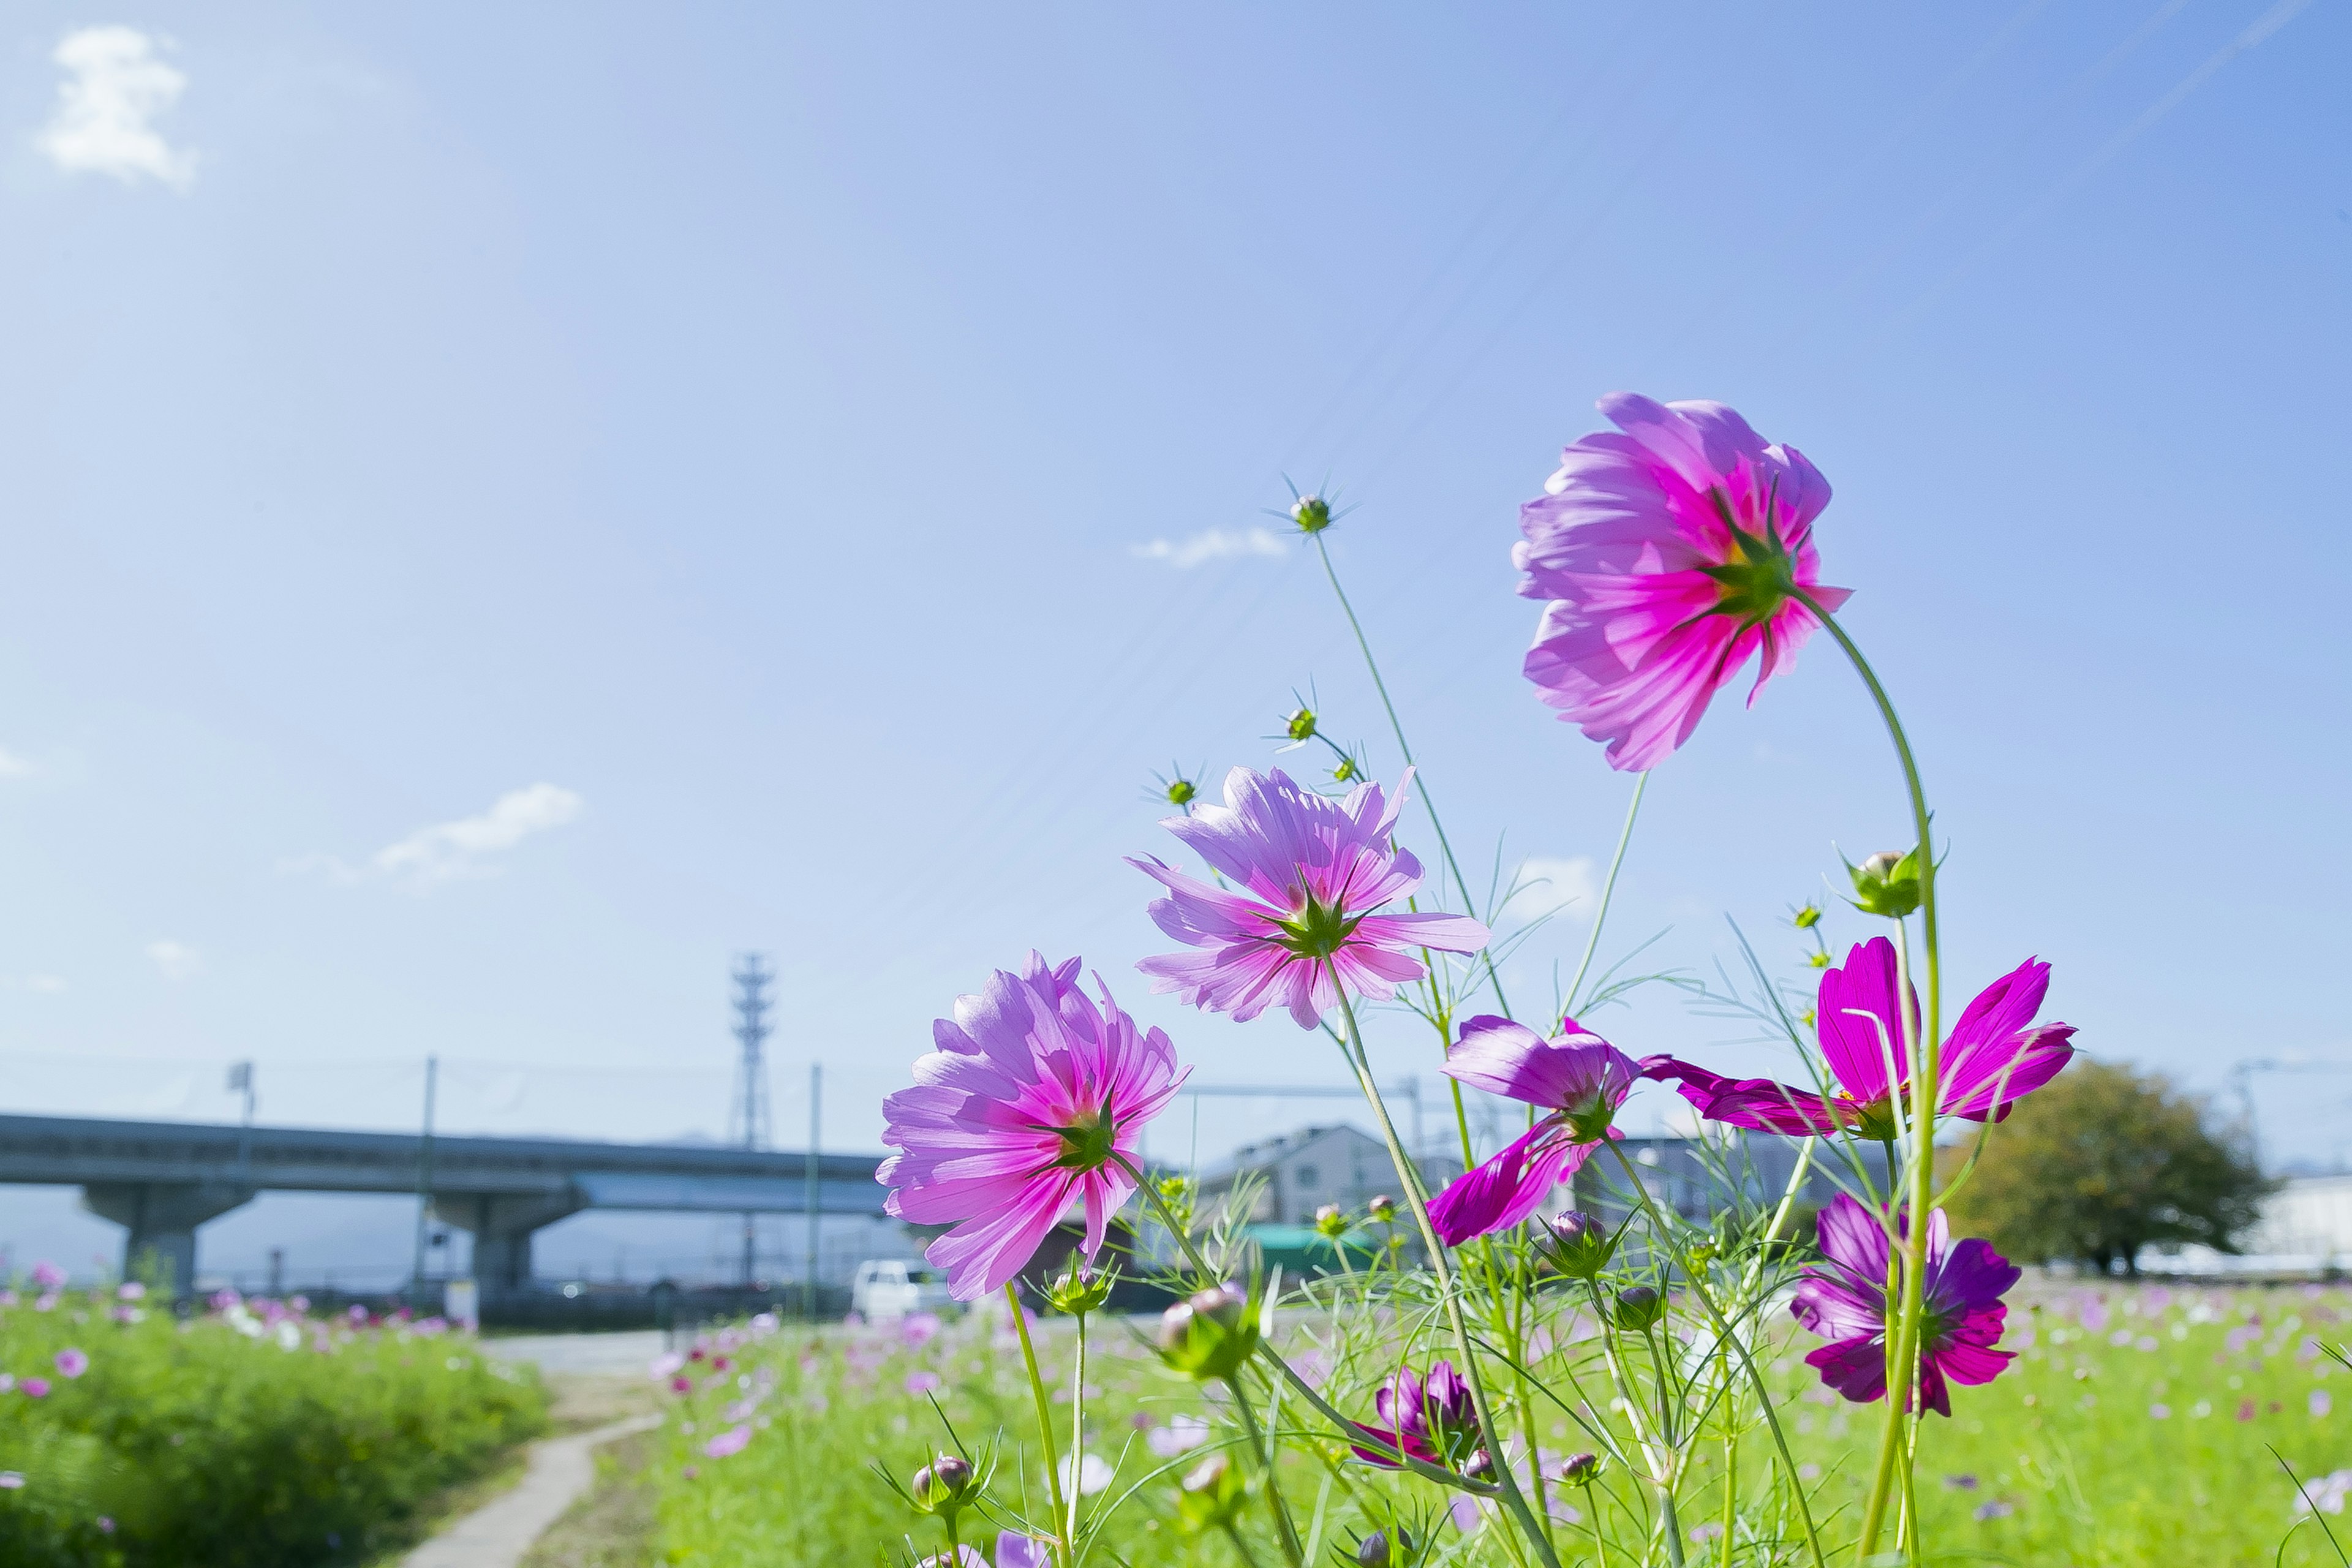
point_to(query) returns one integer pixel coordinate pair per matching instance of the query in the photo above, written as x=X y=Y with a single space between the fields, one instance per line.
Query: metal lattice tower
x=747 y=1117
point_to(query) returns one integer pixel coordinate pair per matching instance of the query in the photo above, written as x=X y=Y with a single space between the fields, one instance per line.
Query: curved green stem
x=1416 y=1195
x=1262 y=1447
x=1078 y=1436
x=1045 y=1421
x=1902 y=1332
x=1609 y=888
x=1396 y=727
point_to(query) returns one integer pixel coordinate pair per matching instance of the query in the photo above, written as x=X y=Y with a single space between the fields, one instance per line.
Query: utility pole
x=808 y=1195
x=240 y=1077
x=748 y=1117
x=423 y=1178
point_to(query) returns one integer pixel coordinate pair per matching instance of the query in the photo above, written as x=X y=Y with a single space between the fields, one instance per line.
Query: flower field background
x=250 y=1436
x=2136 y=1427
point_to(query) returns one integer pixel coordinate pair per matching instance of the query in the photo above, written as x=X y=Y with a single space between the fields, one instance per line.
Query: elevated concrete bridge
x=161 y=1180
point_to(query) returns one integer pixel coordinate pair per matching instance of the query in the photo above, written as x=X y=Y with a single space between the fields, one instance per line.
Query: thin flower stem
x=1659 y=1228
x=1078 y=1436
x=1730 y=1460
x=1410 y=1174
x=1261 y=1448
x=1609 y=888
x=1396 y=727
x=1659 y=1456
x=1239 y=1545
x=1045 y=1421
x=1924 y=1088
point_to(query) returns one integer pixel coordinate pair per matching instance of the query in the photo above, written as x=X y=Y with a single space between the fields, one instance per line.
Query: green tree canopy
x=2103 y=1162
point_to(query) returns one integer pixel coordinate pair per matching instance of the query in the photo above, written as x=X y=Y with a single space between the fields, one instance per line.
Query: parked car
x=890 y=1287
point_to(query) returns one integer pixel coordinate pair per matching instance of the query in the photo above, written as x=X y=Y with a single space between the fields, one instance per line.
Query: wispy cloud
x=447 y=852
x=1215 y=544
x=175 y=960
x=116 y=83
x=42 y=982
x=1548 y=885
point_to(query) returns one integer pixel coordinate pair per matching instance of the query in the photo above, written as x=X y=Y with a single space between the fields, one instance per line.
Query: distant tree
x=2100 y=1162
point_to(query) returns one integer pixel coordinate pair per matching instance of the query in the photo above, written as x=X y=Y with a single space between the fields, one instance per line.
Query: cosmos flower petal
x=1758 y=1104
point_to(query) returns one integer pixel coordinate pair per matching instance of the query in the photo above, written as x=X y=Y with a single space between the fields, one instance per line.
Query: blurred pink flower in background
x=1021 y=1552
x=12 y=1479
x=34 y=1387
x=1025 y=1108
x=2320 y=1404
x=71 y=1362
x=1182 y=1434
x=48 y=1275
x=919 y=1329
x=1669 y=555
x=1308 y=872
x=734 y=1440
x=130 y=1290
x=923 y=1381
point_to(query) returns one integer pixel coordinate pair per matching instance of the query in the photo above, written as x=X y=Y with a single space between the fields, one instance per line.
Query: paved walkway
x=629 y=1352
x=497 y=1535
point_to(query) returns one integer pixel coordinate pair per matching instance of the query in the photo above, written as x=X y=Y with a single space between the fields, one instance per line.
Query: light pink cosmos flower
x=34 y=1387
x=72 y=1362
x=1032 y=1097
x=1669 y=555
x=1308 y=872
x=1579 y=1077
x=48 y=1275
x=734 y=1440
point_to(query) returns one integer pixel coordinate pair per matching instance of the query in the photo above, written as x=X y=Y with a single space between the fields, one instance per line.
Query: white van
x=888 y=1288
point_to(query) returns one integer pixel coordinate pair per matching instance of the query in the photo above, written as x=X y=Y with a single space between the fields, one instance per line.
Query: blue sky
x=755 y=428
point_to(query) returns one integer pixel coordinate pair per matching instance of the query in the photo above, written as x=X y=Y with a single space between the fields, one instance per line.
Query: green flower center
x=1086 y=1141
x=1762 y=574
x=1318 y=930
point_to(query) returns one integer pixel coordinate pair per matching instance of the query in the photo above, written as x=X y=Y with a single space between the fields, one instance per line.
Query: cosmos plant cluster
x=1669 y=555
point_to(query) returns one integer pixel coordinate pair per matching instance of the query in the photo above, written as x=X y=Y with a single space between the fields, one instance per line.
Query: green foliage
x=2099 y=1163
x=230 y=1441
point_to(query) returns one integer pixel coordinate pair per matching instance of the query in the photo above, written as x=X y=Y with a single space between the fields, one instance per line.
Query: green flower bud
x=1808 y=917
x=1345 y=770
x=1886 y=884
x=1210 y=1335
x=1300 y=725
x=1311 y=513
x=1213 y=1495
x=1331 y=1221
x=1375 y=1551
x=1180 y=792
x=1818 y=960
x=1581 y=1470
x=1080 y=1289
x=1638 y=1308
x=1381 y=1209
x=944 y=1485
x=1578 y=1243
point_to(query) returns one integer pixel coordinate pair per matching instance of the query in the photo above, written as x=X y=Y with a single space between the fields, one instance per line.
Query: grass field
x=2135 y=1427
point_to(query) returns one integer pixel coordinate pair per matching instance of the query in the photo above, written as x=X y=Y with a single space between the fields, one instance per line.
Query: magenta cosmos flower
x=1845 y=1300
x=1995 y=1056
x=1308 y=872
x=1579 y=1077
x=1669 y=555
x=1017 y=1115
x=1433 y=1421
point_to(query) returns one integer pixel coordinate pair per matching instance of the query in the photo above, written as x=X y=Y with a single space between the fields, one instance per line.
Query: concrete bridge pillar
x=159 y=1220
x=502 y=1224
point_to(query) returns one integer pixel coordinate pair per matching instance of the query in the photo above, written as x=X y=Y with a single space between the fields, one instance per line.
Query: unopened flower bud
x=1478 y=1466
x=1311 y=513
x=1578 y=1243
x=1382 y=1208
x=1639 y=1308
x=1375 y=1551
x=1180 y=791
x=942 y=1486
x=1331 y=1221
x=1080 y=1289
x=1345 y=770
x=1887 y=884
x=1581 y=1470
x=1209 y=1335
x=1300 y=725
x=1808 y=917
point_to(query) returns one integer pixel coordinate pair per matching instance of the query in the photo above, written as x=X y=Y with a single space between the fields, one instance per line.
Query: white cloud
x=1216 y=545
x=175 y=960
x=42 y=982
x=116 y=83
x=446 y=851
x=1548 y=885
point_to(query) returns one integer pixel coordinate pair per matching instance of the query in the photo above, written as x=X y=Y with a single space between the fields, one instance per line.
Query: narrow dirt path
x=498 y=1534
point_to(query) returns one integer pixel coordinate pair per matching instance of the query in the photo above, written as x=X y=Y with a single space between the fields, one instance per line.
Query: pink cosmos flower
x=34 y=1387
x=71 y=1362
x=1031 y=1098
x=1995 y=1056
x=48 y=1275
x=1669 y=555
x=1021 y=1551
x=1579 y=1077
x=734 y=1440
x=1843 y=1299
x=1308 y=874
x=1433 y=1421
